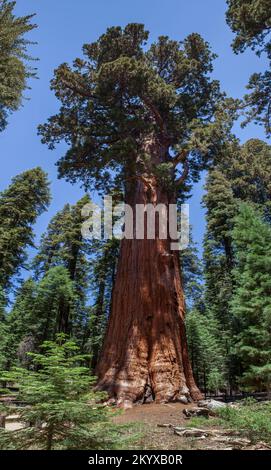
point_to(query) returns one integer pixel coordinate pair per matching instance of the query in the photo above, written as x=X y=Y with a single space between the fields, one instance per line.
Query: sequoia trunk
x=145 y=354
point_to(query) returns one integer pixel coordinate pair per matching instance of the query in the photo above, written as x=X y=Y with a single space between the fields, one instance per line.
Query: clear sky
x=63 y=26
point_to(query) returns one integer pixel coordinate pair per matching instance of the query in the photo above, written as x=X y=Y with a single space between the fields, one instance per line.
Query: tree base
x=145 y=356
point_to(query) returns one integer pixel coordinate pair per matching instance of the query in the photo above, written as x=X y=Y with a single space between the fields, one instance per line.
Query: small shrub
x=62 y=410
x=252 y=419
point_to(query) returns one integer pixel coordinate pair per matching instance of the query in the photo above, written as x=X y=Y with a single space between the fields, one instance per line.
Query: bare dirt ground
x=152 y=419
x=149 y=419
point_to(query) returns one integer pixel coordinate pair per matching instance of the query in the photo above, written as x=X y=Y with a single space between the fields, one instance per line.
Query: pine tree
x=206 y=351
x=242 y=174
x=103 y=274
x=192 y=275
x=251 y=304
x=20 y=205
x=55 y=294
x=14 y=71
x=3 y=328
x=63 y=412
x=63 y=245
x=250 y=20
x=248 y=168
x=36 y=315
x=19 y=340
x=140 y=117
x=218 y=252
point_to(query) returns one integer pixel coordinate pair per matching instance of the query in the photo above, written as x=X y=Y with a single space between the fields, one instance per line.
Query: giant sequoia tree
x=140 y=117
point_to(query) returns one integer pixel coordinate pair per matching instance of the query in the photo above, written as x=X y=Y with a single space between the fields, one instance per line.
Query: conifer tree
x=242 y=174
x=250 y=20
x=14 y=71
x=19 y=340
x=218 y=252
x=20 y=205
x=103 y=274
x=64 y=411
x=3 y=329
x=206 y=351
x=55 y=295
x=248 y=168
x=192 y=275
x=37 y=315
x=150 y=119
x=63 y=245
x=251 y=304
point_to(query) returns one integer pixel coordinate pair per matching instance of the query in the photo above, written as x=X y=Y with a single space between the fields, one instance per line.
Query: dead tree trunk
x=145 y=347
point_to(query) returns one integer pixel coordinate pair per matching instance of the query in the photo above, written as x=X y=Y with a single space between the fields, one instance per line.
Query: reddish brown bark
x=145 y=350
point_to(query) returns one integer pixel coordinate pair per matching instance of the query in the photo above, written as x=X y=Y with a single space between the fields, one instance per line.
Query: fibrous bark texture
x=145 y=355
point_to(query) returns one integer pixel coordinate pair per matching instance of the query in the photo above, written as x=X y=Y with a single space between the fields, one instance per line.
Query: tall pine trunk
x=145 y=353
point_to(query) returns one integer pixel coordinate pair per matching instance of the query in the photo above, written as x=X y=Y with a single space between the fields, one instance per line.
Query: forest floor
x=155 y=423
x=151 y=420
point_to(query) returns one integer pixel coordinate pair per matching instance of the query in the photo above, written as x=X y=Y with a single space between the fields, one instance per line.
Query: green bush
x=252 y=419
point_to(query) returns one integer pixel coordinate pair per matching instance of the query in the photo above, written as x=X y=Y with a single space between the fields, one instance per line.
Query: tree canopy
x=14 y=68
x=250 y=20
x=20 y=204
x=120 y=93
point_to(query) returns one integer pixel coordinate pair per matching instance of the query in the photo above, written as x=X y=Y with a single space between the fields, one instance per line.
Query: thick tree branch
x=157 y=116
x=184 y=175
x=78 y=89
x=180 y=158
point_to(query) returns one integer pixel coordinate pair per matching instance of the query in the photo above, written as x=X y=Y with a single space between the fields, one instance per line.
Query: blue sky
x=63 y=26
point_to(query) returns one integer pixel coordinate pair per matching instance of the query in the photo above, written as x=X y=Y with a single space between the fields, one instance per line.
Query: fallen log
x=192 y=412
x=209 y=432
x=165 y=425
x=234 y=441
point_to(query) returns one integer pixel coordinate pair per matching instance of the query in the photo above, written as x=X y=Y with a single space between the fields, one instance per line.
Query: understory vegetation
x=250 y=419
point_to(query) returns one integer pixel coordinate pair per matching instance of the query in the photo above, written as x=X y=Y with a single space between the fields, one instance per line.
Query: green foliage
x=18 y=339
x=251 y=305
x=103 y=276
x=253 y=420
x=3 y=327
x=250 y=20
x=248 y=168
x=55 y=292
x=192 y=275
x=120 y=95
x=250 y=419
x=20 y=205
x=14 y=71
x=241 y=174
x=37 y=315
x=218 y=254
x=205 y=351
x=63 y=245
x=63 y=411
